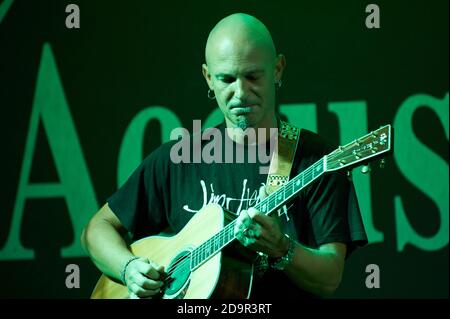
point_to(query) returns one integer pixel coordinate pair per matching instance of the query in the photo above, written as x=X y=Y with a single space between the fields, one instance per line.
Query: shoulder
x=160 y=156
x=313 y=144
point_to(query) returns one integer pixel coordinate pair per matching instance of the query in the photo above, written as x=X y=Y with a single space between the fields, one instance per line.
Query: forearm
x=106 y=247
x=318 y=271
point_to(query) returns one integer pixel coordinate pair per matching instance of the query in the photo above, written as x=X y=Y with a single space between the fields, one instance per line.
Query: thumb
x=160 y=269
x=155 y=265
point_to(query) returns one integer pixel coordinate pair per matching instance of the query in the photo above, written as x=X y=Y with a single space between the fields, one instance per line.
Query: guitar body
x=228 y=274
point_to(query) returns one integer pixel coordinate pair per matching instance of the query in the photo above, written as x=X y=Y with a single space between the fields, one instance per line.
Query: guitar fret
x=197 y=256
x=203 y=252
x=222 y=236
x=230 y=233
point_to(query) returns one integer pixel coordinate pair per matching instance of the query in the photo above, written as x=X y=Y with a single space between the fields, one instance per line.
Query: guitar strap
x=279 y=172
x=282 y=157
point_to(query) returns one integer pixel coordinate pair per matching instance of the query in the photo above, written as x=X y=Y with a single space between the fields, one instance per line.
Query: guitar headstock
x=362 y=150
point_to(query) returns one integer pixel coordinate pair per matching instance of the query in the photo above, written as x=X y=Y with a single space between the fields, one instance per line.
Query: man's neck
x=252 y=135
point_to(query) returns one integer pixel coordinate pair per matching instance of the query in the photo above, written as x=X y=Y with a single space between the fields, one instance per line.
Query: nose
x=241 y=90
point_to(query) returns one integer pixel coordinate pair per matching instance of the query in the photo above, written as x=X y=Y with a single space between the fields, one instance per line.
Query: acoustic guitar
x=202 y=260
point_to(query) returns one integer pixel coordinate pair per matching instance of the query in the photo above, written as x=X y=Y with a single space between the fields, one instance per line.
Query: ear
x=279 y=67
x=207 y=76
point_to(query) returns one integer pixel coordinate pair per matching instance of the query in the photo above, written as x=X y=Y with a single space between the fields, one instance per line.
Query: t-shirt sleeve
x=331 y=204
x=139 y=203
x=334 y=212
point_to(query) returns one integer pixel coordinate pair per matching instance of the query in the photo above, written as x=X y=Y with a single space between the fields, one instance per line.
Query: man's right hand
x=143 y=278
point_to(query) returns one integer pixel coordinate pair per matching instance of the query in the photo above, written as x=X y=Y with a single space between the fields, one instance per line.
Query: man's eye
x=252 y=78
x=227 y=80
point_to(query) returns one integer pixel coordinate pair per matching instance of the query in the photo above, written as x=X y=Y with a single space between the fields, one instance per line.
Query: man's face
x=243 y=77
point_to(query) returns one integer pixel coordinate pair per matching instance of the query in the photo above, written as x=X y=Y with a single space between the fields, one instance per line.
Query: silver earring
x=278 y=84
x=211 y=97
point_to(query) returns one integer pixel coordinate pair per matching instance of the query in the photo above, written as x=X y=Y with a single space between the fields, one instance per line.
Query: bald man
x=242 y=69
x=302 y=253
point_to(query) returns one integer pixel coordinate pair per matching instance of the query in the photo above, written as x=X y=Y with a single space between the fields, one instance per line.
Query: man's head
x=242 y=68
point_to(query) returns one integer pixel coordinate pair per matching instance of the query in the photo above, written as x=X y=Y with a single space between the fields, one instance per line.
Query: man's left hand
x=261 y=233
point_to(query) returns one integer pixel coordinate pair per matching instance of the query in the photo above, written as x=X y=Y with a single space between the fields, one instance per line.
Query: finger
x=240 y=237
x=159 y=269
x=242 y=222
x=255 y=231
x=252 y=212
x=141 y=292
x=264 y=220
x=245 y=239
x=147 y=283
x=238 y=230
x=149 y=270
x=136 y=291
x=248 y=241
x=239 y=226
x=244 y=218
x=132 y=295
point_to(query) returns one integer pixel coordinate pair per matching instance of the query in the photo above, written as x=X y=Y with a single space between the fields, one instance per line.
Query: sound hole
x=178 y=274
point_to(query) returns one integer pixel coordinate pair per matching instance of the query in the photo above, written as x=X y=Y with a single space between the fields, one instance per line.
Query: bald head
x=235 y=30
x=242 y=68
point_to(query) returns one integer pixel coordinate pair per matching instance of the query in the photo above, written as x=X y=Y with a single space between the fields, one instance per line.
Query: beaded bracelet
x=122 y=273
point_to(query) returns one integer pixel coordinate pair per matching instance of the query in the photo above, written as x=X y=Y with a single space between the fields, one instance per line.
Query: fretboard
x=268 y=205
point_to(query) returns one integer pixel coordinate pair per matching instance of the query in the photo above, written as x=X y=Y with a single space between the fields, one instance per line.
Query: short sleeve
x=329 y=203
x=334 y=212
x=139 y=203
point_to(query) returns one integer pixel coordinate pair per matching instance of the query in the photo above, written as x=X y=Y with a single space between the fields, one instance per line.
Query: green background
x=129 y=56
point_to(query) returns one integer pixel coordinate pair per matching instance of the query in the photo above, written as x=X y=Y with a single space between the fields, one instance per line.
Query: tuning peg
x=365 y=169
x=382 y=163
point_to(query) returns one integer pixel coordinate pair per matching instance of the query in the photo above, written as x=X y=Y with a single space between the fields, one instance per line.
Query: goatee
x=242 y=123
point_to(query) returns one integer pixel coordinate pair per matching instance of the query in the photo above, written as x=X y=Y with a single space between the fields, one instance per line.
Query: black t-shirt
x=161 y=194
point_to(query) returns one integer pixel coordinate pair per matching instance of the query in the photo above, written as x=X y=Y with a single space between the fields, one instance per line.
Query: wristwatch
x=281 y=262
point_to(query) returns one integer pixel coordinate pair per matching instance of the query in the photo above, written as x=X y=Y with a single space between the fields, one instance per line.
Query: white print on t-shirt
x=246 y=200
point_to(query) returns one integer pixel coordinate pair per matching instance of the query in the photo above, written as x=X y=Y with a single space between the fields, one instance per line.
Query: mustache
x=235 y=104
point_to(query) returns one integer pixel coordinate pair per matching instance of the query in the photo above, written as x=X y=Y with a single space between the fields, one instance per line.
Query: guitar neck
x=361 y=150
x=267 y=206
x=277 y=199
